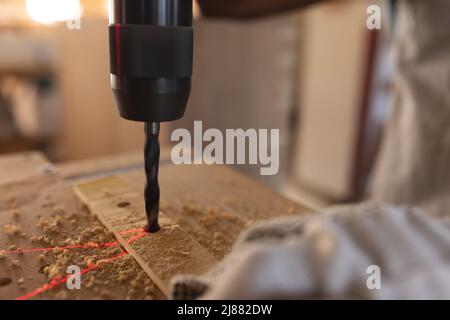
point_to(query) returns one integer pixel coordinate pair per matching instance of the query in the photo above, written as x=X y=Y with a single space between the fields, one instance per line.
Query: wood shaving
x=15 y=263
x=13 y=230
x=41 y=259
x=51 y=271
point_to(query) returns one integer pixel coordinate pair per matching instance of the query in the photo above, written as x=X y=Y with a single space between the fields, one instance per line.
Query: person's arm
x=249 y=8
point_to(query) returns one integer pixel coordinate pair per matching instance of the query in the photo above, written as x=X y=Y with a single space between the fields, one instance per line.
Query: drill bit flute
x=151 y=194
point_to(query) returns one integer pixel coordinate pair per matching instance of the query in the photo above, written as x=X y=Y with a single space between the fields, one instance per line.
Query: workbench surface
x=44 y=228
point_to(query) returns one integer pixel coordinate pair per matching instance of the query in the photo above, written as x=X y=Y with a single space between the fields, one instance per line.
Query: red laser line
x=118 y=53
x=136 y=237
x=57 y=280
x=90 y=245
x=131 y=231
x=80 y=246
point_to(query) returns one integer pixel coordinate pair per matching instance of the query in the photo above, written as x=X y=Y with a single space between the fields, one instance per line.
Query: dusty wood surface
x=211 y=204
x=215 y=204
x=44 y=229
x=21 y=166
x=44 y=214
x=162 y=255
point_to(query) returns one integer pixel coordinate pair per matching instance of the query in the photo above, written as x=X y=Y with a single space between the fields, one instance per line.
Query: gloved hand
x=333 y=255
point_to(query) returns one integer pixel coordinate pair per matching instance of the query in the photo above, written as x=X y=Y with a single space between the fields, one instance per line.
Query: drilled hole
x=5 y=281
x=123 y=204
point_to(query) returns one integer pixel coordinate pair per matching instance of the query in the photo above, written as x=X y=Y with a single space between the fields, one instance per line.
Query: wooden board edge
x=155 y=278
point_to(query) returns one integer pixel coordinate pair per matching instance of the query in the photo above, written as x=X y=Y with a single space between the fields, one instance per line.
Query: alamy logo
x=240 y=146
x=374 y=280
x=374 y=19
x=74 y=280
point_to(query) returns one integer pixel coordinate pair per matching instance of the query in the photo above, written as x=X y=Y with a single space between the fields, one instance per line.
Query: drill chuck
x=151 y=54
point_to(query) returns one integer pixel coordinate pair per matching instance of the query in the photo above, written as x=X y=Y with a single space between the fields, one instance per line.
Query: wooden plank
x=162 y=255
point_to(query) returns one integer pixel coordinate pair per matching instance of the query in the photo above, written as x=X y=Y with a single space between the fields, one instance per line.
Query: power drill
x=151 y=60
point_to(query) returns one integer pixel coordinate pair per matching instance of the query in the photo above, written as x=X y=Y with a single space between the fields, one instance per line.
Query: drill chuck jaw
x=151 y=54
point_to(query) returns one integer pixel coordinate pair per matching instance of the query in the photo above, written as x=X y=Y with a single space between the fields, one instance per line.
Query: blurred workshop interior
x=319 y=75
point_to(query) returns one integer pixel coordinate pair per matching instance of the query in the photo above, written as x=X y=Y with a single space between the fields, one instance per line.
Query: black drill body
x=151 y=54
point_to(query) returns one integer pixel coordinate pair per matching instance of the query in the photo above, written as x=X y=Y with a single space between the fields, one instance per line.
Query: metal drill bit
x=151 y=156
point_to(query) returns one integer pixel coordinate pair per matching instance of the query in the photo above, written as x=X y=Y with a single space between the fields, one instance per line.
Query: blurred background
x=319 y=75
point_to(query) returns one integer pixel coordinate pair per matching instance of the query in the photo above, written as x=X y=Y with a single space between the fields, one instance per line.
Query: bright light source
x=196 y=10
x=51 y=11
x=110 y=10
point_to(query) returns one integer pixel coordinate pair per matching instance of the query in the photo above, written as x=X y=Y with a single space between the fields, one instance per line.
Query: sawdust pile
x=104 y=282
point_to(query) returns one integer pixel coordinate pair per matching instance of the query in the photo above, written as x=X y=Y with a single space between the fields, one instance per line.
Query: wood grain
x=162 y=255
